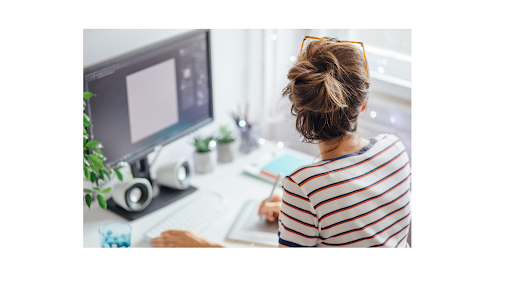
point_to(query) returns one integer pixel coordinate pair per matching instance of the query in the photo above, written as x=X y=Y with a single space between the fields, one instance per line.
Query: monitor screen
x=151 y=96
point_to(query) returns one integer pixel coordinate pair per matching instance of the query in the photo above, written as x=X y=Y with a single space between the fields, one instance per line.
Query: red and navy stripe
x=347 y=167
x=298 y=221
x=359 y=190
x=296 y=232
x=364 y=201
x=295 y=195
x=364 y=214
x=401 y=240
x=289 y=178
x=300 y=209
x=373 y=236
x=367 y=225
x=373 y=141
x=289 y=243
x=390 y=237
x=357 y=177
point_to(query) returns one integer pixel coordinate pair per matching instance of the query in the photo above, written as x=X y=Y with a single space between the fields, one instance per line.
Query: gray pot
x=226 y=152
x=205 y=162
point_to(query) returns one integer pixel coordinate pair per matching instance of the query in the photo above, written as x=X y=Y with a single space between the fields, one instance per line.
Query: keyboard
x=196 y=215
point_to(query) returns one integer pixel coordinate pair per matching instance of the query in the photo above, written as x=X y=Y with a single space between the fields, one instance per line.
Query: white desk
x=227 y=180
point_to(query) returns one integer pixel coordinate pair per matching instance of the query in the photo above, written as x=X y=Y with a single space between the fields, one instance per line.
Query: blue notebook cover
x=286 y=164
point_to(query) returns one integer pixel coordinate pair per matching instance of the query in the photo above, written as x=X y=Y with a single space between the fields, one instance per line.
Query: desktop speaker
x=175 y=175
x=133 y=196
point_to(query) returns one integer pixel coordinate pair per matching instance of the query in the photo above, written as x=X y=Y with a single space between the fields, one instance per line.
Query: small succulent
x=225 y=135
x=202 y=143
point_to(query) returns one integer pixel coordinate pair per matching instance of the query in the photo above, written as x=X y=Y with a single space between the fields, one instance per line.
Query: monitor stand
x=140 y=168
x=166 y=195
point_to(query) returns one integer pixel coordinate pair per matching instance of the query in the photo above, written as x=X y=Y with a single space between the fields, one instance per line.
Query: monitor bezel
x=143 y=50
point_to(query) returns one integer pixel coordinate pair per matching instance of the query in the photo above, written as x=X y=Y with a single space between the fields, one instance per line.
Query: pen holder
x=248 y=140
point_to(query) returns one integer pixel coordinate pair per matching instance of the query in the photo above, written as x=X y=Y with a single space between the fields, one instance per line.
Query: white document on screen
x=152 y=99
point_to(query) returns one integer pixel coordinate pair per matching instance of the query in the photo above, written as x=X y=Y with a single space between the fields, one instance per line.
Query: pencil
x=272 y=192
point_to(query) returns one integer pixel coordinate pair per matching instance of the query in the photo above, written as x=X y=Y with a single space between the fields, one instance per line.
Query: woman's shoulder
x=379 y=143
x=303 y=171
x=306 y=172
x=387 y=139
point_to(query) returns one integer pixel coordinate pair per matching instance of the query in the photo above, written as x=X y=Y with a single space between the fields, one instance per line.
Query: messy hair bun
x=328 y=86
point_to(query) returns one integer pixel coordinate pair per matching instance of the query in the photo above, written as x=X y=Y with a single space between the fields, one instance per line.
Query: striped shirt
x=360 y=199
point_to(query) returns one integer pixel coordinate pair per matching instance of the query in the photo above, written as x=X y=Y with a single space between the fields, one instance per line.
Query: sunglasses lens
x=307 y=42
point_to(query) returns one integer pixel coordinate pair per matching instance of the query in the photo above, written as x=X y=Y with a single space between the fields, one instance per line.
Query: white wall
x=102 y=44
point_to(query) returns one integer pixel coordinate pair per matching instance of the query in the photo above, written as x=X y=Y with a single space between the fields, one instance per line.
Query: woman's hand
x=181 y=238
x=272 y=208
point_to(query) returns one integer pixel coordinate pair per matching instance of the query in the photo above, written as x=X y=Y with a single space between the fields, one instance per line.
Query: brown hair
x=328 y=86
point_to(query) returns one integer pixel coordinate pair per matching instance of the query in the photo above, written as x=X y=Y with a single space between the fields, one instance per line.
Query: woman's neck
x=337 y=148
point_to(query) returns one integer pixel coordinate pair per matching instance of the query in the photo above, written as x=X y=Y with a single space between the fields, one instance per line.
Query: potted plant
x=204 y=157
x=225 y=145
x=94 y=169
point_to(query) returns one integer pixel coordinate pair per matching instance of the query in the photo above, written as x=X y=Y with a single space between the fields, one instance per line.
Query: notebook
x=285 y=164
x=269 y=165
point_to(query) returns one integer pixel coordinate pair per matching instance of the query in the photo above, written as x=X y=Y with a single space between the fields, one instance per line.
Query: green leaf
x=225 y=135
x=101 y=175
x=84 y=103
x=92 y=144
x=93 y=177
x=88 y=200
x=95 y=171
x=88 y=191
x=88 y=95
x=102 y=202
x=130 y=175
x=122 y=164
x=100 y=154
x=87 y=174
x=87 y=121
x=106 y=190
x=202 y=144
x=96 y=188
x=95 y=161
x=85 y=131
x=107 y=172
x=119 y=175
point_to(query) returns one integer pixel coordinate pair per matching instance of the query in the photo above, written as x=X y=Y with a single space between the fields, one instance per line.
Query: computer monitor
x=150 y=97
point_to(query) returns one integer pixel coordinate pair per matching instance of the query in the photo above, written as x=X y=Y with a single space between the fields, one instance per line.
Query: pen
x=247 y=112
x=272 y=192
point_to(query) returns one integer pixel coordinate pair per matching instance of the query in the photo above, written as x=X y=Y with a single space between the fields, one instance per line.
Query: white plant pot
x=205 y=162
x=226 y=152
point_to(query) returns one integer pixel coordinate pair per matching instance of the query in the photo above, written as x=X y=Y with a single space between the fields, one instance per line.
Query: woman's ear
x=363 y=107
